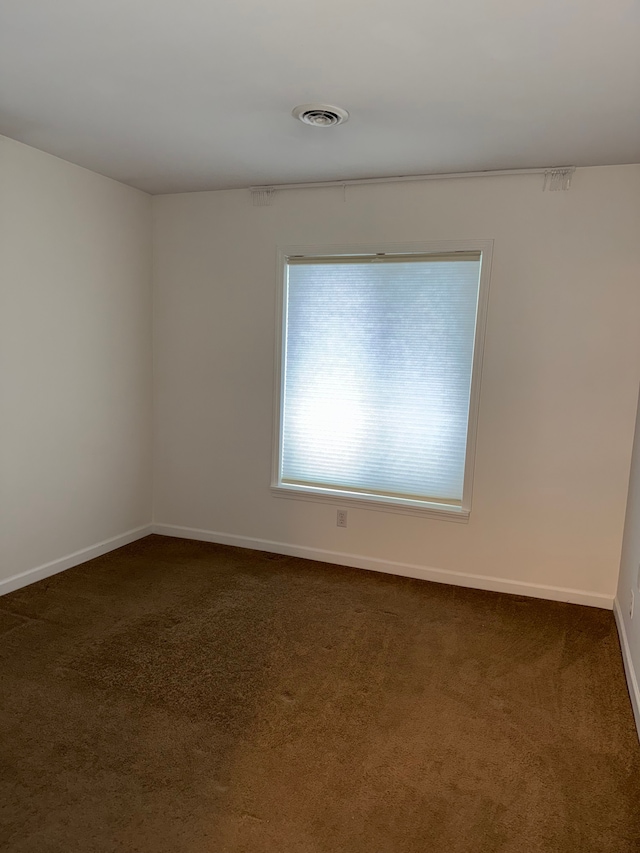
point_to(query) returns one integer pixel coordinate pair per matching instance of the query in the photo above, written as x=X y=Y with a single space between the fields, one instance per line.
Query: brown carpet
x=180 y=697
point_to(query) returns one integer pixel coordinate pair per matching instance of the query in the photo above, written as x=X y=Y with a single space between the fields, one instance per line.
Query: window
x=378 y=376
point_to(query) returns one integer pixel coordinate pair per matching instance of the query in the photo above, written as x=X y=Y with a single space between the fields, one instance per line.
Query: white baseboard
x=553 y=593
x=71 y=560
x=629 y=669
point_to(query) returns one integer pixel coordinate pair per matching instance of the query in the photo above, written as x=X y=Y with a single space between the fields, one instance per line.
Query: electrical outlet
x=342 y=518
x=631 y=605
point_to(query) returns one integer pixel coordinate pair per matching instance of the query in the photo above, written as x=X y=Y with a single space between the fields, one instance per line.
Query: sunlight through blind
x=377 y=374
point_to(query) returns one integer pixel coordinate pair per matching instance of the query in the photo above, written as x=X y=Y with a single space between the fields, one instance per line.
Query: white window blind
x=377 y=368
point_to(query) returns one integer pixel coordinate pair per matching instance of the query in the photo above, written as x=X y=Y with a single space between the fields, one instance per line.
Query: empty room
x=320 y=447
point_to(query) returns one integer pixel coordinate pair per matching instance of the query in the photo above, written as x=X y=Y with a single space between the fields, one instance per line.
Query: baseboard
x=71 y=560
x=629 y=669
x=553 y=593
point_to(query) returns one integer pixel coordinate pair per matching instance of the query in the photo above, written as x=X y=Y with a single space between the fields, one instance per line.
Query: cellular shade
x=377 y=372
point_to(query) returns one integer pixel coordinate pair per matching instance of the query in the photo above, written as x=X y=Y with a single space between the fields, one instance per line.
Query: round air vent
x=320 y=115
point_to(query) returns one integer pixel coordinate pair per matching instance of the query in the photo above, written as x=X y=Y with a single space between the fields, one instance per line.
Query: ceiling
x=182 y=95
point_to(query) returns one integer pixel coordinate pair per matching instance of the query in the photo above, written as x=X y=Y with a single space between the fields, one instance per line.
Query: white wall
x=630 y=581
x=562 y=364
x=75 y=359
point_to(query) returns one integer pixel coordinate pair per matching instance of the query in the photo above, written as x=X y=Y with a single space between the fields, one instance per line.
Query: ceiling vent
x=320 y=115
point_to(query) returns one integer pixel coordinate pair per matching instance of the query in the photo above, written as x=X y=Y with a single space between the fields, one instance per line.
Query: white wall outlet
x=342 y=518
x=631 y=605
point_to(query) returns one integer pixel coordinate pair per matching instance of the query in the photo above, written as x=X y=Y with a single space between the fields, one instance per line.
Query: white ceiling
x=180 y=95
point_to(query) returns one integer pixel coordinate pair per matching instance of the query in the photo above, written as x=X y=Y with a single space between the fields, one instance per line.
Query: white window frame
x=376 y=502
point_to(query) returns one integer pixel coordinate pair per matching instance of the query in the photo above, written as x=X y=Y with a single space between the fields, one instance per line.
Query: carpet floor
x=182 y=697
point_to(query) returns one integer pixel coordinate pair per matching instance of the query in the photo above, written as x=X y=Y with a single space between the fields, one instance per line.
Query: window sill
x=441 y=512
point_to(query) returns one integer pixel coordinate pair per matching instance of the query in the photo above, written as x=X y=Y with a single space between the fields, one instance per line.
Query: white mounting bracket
x=262 y=196
x=558 y=179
